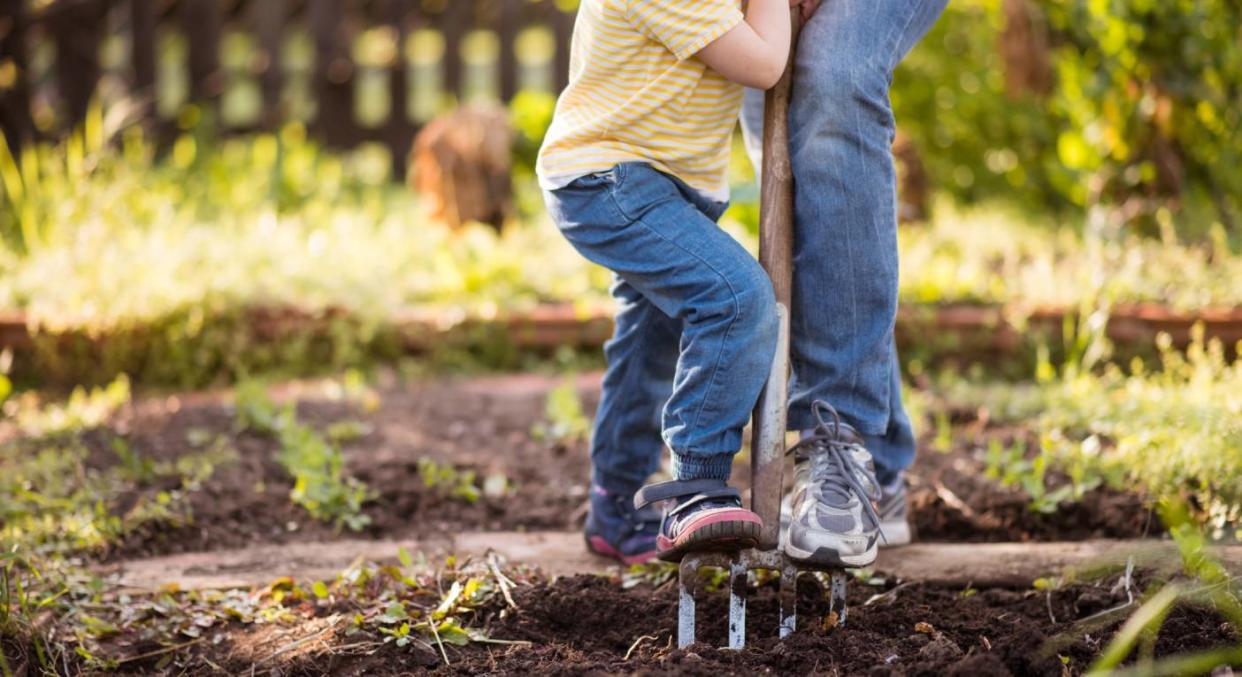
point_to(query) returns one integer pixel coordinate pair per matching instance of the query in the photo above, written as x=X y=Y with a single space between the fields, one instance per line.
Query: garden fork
x=768 y=441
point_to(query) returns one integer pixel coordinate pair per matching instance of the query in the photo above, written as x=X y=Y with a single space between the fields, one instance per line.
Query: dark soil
x=941 y=483
x=484 y=425
x=588 y=625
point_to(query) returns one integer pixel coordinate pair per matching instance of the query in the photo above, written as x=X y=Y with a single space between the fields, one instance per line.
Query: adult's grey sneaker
x=833 y=521
x=892 y=509
x=894 y=514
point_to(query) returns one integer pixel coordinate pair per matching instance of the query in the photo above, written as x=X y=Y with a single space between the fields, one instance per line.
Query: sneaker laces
x=838 y=470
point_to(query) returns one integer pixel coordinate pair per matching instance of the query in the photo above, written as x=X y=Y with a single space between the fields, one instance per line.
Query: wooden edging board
x=560 y=553
x=553 y=325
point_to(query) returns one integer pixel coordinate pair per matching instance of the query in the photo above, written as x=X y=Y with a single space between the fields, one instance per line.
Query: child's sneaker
x=701 y=515
x=616 y=529
x=833 y=519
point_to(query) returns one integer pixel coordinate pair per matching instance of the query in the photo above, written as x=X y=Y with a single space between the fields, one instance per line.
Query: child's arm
x=754 y=52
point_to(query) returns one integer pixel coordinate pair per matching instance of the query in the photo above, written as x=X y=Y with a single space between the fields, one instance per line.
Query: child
x=634 y=172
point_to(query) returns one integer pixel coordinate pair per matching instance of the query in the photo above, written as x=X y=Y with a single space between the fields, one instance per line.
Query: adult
x=845 y=276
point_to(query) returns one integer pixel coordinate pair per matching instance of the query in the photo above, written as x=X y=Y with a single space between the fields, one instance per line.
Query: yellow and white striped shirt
x=636 y=94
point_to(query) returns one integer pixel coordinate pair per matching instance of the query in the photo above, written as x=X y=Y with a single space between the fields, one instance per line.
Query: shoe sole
x=723 y=533
x=828 y=557
x=597 y=545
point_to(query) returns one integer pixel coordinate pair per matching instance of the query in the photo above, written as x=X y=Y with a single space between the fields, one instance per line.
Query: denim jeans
x=696 y=324
x=845 y=237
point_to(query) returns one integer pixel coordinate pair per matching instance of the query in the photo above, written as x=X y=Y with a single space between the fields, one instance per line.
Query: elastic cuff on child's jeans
x=714 y=467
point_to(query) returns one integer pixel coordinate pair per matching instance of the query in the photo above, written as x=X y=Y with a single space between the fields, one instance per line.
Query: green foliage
x=531 y=115
x=449 y=481
x=177 y=280
x=316 y=464
x=564 y=419
x=949 y=95
x=1010 y=466
x=1145 y=84
x=85 y=408
x=996 y=255
x=1174 y=432
x=1144 y=102
x=1215 y=589
x=53 y=501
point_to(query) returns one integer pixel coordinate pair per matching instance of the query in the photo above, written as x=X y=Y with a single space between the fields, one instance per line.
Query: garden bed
x=480 y=430
x=504 y=454
x=623 y=625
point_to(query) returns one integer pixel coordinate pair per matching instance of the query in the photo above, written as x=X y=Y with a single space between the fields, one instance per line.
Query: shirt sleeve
x=684 y=26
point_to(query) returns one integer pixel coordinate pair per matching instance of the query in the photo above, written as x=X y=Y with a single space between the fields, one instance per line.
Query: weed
x=52 y=501
x=943 y=441
x=448 y=481
x=315 y=463
x=135 y=468
x=1170 y=432
x=654 y=574
x=84 y=409
x=564 y=420
x=1215 y=589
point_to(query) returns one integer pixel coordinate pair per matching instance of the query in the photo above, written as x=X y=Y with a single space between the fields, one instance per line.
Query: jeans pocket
x=586 y=199
x=594 y=180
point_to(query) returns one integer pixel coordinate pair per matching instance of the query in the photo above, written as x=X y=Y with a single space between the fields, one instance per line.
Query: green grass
x=168 y=255
x=99 y=237
x=1172 y=433
x=56 y=497
x=996 y=255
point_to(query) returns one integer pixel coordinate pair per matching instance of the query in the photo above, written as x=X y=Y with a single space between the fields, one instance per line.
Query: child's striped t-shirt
x=637 y=94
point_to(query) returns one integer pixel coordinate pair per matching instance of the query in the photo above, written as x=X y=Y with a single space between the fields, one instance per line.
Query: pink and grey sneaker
x=616 y=529
x=700 y=515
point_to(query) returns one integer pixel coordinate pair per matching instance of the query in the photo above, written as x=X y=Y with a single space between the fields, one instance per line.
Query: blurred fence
x=355 y=70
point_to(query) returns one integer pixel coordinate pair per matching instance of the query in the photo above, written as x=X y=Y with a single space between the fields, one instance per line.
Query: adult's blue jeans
x=696 y=324
x=845 y=235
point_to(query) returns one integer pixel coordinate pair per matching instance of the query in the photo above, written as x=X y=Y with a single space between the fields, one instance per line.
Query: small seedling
x=564 y=420
x=316 y=464
x=448 y=481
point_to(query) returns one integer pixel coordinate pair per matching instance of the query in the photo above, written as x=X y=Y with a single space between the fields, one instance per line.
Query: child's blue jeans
x=696 y=324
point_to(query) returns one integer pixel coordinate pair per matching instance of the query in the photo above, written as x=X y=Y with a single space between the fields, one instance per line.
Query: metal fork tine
x=686 y=585
x=840 y=582
x=738 y=573
x=789 y=601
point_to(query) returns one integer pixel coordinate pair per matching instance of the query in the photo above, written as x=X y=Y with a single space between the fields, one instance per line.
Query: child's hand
x=808 y=7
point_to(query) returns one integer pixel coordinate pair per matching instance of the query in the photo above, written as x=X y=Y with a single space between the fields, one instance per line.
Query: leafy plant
x=564 y=420
x=1172 y=432
x=53 y=501
x=1216 y=589
x=449 y=481
x=316 y=464
x=85 y=408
